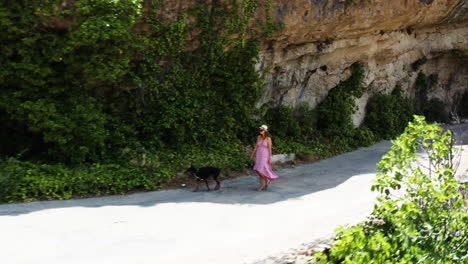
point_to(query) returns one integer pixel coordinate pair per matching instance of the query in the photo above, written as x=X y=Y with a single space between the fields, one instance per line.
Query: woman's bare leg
x=267 y=183
x=262 y=184
x=263 y=181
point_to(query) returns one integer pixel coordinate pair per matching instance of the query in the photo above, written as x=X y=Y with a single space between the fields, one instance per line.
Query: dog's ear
x=190 y=170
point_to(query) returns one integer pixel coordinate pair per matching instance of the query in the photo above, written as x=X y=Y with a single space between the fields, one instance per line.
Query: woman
x=263 y=159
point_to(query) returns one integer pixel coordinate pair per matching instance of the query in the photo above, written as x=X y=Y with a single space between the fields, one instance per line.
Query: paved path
x=232 y=226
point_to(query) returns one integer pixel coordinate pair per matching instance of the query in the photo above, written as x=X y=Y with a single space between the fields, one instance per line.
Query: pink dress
x=261 y=161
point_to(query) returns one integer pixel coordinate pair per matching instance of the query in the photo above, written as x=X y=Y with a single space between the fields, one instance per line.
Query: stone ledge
x=283 y=158
x=300 y=255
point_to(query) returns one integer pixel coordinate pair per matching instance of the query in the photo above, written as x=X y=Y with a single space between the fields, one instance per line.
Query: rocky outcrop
x=322 y=38
x=301 y=255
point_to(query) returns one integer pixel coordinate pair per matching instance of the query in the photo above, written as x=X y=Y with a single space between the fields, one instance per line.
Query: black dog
x=203 y=174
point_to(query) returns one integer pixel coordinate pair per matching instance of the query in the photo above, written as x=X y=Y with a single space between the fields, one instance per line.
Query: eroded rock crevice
x=321 y=39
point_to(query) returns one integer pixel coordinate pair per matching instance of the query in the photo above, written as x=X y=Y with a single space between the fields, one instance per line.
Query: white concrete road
x=234 y=225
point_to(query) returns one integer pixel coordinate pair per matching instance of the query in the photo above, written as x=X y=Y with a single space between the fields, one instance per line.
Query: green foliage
x=388 y=115
x=336 y=110
x=249 y=7
x=100 y=85
x=348 y=3
x=100 y=82
x=104 y=43
x=434 y=110
x=295 y=131
x=144 y=171
x=200 y=97
x=50 y=77
x=460 y=54
x=286 y=126
x=464 y=105
x=421 y=215
x=229 y=157
x=305 y=149
x=68 y=133
x=328 y=129
x=307 y=118
x=418 y=63
x=364 y=137
x=335 y=113
x=424 y=85
x=28 y=181
x=270 y=27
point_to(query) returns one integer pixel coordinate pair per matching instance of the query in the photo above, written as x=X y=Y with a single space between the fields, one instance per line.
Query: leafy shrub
x=101 y=82
x=310 y=147
x=307 y=118
x=435 y=111
x=464 y=105
x=334 y=113
x=27 y=181
x=304 y=130
x=423 y=86
x=80 y=94
x=459 y=54
x=418 y=63
x=388 y=115
x=80 y=132
x=295 y=131
x=145 y=170
x=426 y=222
x=286 y=126
x=363 y=137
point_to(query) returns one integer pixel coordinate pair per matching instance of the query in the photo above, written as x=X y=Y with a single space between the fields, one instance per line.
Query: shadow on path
x=294 y=183
x=460 y=133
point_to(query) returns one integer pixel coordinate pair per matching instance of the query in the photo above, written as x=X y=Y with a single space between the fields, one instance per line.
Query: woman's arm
x=269 y=149
x=255 y=150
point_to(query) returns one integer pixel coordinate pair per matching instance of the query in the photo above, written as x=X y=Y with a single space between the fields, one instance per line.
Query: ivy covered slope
x=99 y=82
x=104 y=96
x=101 y=90
x=79 y=92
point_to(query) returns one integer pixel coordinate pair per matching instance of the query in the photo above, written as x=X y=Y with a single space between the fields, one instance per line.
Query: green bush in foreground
x=426 y=221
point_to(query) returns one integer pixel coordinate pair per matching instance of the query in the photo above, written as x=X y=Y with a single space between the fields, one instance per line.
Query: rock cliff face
x=322 y=38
